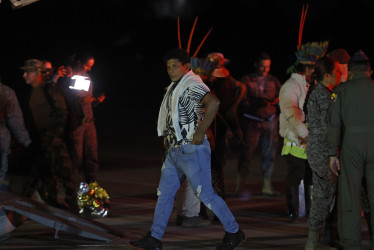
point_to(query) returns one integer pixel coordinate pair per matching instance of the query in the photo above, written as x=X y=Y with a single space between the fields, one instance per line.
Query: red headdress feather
x=302 y=22
x=179 y=34
x=190 y=38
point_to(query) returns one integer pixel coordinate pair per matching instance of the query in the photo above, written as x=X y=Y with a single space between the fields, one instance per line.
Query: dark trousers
x=356 y=163
x=219 y=129
x=257 y=133
x=83 y=151
x=297 y=169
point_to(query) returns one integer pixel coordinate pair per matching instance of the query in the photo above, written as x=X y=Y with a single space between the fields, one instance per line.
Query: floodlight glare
x=80 y=83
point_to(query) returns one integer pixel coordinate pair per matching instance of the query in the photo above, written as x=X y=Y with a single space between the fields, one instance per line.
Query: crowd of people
x=322 y=113
x=53 y=132
x=312 y=112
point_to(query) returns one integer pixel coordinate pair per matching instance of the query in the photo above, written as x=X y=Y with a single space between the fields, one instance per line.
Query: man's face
x=47 y=69
x=309 y=70
x=86 y=66
x=47 y=66
x=32 y=77
x=89 y=64
x=263 y=67
x=336 y=78
x=176 y=70
x=344 y=72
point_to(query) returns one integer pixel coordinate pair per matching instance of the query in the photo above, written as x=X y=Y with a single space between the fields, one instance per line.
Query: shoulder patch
x=333 y=97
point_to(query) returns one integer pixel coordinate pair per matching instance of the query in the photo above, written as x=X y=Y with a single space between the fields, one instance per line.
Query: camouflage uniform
x=317 y=153
x=49 y=115
x=259 y=122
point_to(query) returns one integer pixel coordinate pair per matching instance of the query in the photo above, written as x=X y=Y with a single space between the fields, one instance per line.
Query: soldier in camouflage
x=48 y=115
x=328 y=75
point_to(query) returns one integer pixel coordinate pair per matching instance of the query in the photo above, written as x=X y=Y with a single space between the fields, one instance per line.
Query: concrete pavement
x=131 y=177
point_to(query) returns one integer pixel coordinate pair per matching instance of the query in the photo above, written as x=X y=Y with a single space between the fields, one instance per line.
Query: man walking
x=183 y=124
x=259 y=122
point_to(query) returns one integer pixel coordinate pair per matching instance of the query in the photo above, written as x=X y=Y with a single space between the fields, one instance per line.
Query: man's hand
x=198 y=137
x=101 y=98
x=61 y=71
x=334 y=165
x=303 y=140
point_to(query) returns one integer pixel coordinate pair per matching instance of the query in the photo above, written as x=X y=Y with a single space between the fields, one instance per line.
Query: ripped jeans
x=192 y=162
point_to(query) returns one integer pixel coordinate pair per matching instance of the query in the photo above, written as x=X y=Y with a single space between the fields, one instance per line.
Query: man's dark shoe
x=232 y=240
x=148 y=242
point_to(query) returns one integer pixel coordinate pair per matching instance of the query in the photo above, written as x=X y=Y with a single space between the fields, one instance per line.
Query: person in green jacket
x=350 y=146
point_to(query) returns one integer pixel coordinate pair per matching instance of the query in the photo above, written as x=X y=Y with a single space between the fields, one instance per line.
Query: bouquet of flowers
x=93 y=200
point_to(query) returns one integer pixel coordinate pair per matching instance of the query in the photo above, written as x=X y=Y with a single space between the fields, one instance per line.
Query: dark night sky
x=129 y=37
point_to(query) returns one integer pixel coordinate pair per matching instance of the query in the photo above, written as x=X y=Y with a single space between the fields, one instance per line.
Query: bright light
x=81 y=83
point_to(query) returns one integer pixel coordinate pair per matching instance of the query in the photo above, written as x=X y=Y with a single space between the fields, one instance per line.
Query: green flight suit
x=351 y=128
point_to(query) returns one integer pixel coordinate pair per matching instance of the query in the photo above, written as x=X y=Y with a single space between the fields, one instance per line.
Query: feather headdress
x=202 y=67
x=310 y=52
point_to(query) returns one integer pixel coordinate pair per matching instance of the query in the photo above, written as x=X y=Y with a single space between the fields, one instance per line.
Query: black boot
x=292 y=199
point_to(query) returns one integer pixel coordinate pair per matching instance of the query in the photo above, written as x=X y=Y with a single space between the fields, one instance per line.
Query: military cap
x=359 y=56
x=32 y=65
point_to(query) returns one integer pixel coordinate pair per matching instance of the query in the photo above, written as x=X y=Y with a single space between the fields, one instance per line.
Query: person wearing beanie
x=351 y=159
x=230 y=92
x=342 y=57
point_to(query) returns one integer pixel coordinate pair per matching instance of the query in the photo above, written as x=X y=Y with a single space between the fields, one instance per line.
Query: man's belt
x=259 y=119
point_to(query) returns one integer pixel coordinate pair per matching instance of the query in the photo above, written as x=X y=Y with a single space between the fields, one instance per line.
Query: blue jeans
x=192 y=162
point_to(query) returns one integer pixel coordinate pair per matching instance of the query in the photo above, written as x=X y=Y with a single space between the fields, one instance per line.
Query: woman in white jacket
x=293 y=129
